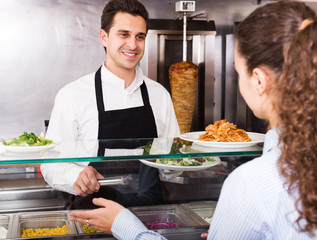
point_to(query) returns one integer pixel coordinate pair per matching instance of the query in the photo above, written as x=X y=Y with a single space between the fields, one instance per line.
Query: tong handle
x=120 y=180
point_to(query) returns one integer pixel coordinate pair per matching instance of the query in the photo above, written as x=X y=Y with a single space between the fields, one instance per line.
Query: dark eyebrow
x=126 y=31
x=123 y=31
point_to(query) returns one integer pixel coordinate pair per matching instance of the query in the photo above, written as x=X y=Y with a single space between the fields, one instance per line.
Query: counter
x=187 y=196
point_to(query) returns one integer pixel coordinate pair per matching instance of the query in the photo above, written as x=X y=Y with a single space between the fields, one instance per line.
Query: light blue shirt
x=253 y=204
x=127 y=226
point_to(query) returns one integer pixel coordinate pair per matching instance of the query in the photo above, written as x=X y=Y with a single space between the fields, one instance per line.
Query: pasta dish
x=223 y=131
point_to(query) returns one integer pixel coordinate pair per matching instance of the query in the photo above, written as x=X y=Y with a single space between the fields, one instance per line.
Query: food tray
x=36 y=220
x=172 y=213
x=81 y=230
x=204 y=209
x=6 y=221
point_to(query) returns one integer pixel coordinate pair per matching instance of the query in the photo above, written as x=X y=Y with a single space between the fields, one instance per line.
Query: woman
x=273 y=196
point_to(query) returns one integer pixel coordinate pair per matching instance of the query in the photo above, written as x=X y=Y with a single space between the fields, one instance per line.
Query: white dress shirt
x=75 y=116
x=253 y=204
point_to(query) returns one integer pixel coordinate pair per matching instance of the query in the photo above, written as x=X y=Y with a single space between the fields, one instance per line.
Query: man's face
x=125 y=42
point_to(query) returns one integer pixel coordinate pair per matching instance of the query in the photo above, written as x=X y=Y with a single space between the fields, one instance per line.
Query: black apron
x=137 y=122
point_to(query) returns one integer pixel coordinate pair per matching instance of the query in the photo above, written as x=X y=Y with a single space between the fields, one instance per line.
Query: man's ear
x=261 y=80
x=103 y=37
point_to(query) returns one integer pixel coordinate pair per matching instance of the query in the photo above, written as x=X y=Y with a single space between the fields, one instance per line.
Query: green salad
x=186 y=161
x=28 y=140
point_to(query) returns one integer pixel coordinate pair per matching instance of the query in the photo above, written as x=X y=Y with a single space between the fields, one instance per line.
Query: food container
x=175 y=215
x=81 y=228
x=204 y=209
x=6 y=222
x=40 y=220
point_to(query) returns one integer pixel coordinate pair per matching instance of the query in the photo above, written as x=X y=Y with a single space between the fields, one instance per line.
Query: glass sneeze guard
x=119 y=149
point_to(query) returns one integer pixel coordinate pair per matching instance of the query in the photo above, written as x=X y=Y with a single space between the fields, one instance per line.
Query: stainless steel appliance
x=164 y=47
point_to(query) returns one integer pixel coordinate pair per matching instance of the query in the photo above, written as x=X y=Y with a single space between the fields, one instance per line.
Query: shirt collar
x=111 y=79
x=271 y=140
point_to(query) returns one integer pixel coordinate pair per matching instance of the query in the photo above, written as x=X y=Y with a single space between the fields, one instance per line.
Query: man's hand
x=87 y=183
x=100 y=218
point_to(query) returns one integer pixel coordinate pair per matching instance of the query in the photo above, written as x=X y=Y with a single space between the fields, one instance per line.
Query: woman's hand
x=204 y=235
x=100 y=218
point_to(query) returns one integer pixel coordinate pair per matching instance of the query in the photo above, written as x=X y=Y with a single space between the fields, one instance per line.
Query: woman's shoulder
x=260 y=175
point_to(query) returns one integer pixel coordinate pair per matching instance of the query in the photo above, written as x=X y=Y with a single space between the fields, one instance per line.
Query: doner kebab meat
x=183 y=78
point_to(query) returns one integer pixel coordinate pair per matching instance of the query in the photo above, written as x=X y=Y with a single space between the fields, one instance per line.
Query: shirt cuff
x=127 y=226
x=72 y=172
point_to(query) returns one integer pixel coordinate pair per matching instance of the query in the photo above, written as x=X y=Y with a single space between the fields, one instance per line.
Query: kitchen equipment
x=31 y=194
x=171 y=213
x=204 y=209
x=164 y=47
x=184 y=7
x=82 y=229
x=36 y=220
x=183 y=77
x=119 y=180
x=6 y=222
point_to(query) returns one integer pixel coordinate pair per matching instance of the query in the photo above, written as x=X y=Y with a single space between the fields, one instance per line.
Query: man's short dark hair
x=132 y=7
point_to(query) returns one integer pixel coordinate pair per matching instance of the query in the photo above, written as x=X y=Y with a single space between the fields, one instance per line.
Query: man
x=117 y=101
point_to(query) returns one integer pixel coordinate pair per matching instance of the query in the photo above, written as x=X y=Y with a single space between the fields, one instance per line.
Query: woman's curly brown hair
x=297 y=108
x=262 y=38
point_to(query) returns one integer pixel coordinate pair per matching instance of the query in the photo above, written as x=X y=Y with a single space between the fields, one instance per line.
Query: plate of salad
x=27 y=143
x=183 y=164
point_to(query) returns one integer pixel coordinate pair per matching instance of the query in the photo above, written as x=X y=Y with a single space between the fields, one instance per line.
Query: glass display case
x=118 y=149
x=186 y=189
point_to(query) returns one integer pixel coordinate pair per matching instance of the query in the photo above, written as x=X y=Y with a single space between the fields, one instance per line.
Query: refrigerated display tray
x=204 y=209
x=86 y=230
x=36 y=220
x=171 y=213
x=6 y=222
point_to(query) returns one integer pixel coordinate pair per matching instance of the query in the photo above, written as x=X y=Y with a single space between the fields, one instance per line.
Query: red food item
x=159 y=224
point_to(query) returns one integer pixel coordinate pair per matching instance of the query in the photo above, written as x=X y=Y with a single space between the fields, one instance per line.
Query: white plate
x=194 y=148
x=181 y=168
x=28 y=149
x=193 y=137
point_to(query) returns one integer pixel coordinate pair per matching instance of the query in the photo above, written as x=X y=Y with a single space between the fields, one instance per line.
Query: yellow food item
x=89 y=229
x=223 y=131
x=39 y=232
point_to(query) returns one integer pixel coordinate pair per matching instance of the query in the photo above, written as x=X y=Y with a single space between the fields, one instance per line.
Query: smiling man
x=117 y=101
x=124 y=43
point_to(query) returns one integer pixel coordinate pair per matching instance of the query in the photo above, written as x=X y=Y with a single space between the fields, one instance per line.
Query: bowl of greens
x=28 y=142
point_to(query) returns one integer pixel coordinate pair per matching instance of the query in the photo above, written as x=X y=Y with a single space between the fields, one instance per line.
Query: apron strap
x=98 y=89
x=145 y=95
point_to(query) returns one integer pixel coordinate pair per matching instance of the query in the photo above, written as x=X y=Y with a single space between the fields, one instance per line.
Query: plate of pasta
x=193 y=137
x=223 y=134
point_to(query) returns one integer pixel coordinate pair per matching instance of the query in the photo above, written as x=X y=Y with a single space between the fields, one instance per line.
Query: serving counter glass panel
x=118 y=149
x=122 y=175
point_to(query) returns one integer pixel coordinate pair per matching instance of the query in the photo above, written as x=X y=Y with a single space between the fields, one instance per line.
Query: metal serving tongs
x=119 y=180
